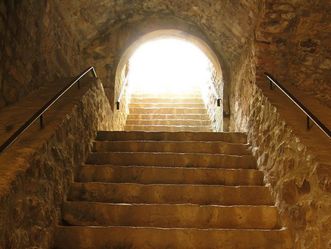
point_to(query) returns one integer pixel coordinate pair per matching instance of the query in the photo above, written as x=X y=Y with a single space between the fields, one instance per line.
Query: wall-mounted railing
x=39 y=114
x=310 y=116
x=124 y=86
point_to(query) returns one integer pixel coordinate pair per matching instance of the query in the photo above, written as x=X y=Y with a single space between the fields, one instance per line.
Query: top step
x=167 y=96
x=181 y=100
x=230 y=137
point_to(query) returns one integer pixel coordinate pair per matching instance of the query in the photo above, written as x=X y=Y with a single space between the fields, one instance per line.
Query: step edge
x=262 y=187
x=171 y=167
x=281 y=229
x=124 y=204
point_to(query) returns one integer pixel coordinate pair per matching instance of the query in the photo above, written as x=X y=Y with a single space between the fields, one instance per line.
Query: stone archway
x=217 y=75
x=165 y=33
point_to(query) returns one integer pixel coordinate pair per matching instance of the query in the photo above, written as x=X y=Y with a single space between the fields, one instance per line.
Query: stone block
x=324 y=177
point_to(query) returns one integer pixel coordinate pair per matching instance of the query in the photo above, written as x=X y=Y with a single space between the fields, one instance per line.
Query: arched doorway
x=173 y=60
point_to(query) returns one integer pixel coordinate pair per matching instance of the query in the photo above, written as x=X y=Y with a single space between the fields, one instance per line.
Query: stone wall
x=296 y=163
x=121 y=85
x=210 y=91
x=298 y=179
x=294 y=44
x=37 y=45
x=36 y=171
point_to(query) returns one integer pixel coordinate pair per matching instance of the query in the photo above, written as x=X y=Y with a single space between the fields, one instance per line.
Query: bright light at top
x=168 y=65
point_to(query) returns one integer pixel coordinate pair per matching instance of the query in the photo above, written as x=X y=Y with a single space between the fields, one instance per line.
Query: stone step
x=170 y=175
x=172 y=146
x=78 y=237
x=167 y=105
x=170 y=194
x=173 y=159
x=168 y=116
x=170 y=216
x=166 y=100
x=164 y=122
x=231 y=137
x=169 y=128
x=167 y=110
x=191 y=95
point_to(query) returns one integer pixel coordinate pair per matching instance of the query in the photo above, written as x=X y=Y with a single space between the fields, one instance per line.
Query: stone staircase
x=168 y=112
x=161 y=189
x=170 y=190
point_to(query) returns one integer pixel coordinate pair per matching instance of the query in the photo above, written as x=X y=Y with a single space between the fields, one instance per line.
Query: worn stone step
x=167 y=110
x=164 y=122
x=168 y=116
x=161 y=96
x=167 y=105
x=169 y=128
x=231 y=137
x=173 y=159
x=170 y=216
x=78 y=237
x=213 y=147
x=170 y=175
x=181 y=100
x=170 y=194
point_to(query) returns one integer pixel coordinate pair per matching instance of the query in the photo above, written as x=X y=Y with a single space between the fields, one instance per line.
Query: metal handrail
x=126 y=81
x=304 y=109
x=41 y=111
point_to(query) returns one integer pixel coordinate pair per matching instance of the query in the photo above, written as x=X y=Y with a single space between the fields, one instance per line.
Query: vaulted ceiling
x=42 y=40
x=228 y=25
